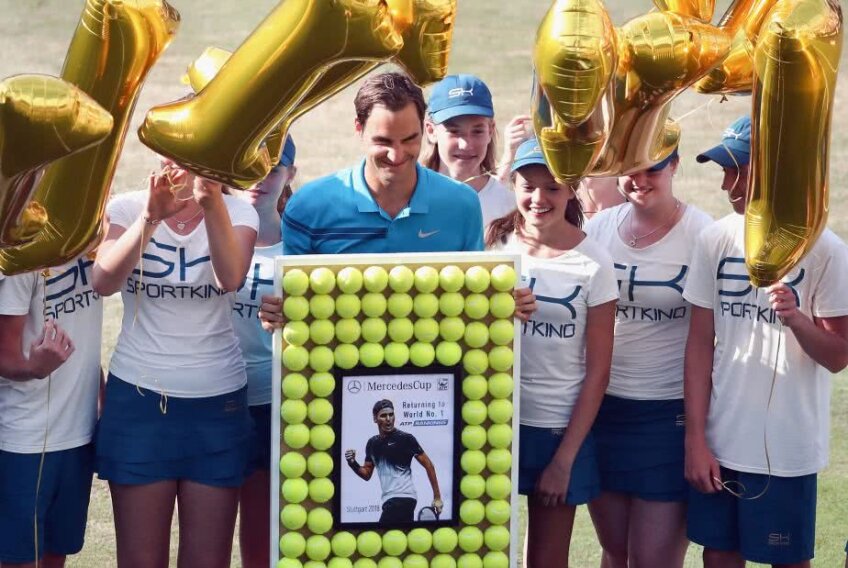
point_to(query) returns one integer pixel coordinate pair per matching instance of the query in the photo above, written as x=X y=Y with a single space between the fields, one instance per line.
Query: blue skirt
x=640 y=446
x=205 y=440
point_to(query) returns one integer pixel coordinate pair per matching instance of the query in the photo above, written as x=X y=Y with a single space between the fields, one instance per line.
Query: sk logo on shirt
x=733 y=282
x=71 y=290
x=559 y=330
x=633 y=283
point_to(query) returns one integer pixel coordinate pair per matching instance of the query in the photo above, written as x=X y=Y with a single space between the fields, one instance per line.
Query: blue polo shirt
x=337 y=214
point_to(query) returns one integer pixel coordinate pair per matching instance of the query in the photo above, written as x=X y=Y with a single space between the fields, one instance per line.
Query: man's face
x=735 y=183
x=385 y=420
x=392 y=142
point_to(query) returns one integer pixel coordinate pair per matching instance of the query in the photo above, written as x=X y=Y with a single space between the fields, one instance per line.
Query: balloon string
x=707 y=104
x=44 y=274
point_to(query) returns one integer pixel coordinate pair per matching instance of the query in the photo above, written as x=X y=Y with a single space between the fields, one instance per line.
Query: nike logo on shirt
x=423 y=235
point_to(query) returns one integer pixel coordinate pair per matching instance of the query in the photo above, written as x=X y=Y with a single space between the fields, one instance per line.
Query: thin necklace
x=634 y=239
x=181 y=225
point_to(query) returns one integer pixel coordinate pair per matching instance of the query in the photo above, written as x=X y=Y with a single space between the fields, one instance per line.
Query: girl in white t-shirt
x=566 y=347
x=462 y=141
x=175 y=423
x=640 y=516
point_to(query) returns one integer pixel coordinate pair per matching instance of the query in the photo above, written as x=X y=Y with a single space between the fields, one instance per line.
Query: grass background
x=493 y=40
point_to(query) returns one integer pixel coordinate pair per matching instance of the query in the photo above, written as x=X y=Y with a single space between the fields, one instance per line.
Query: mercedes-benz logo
x=354 y=387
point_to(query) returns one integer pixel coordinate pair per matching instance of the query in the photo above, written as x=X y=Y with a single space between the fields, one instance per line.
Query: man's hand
x=271 y=313
x=438 y=505
x=50 y=350
x=350 y=455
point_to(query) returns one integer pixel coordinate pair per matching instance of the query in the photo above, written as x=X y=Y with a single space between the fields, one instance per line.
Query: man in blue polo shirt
x=387 y=202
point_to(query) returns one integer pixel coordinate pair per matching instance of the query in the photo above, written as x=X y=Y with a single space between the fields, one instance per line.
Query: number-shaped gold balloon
x=427 y=37
x=698 y=9
x=42 y=119
x=114 y=46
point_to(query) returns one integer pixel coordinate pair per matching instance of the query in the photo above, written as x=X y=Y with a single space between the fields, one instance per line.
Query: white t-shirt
x=254 y=341
x=177 y=333
x=797 y=422
x=651 y=317
x=496 y=200
x=553 y=342
x=73 y=304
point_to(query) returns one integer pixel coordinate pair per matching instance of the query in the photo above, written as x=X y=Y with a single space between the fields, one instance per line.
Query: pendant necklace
x=634 y=239
x=182 y=224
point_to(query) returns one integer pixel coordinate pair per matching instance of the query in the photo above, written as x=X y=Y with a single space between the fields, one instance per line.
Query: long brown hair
x=430 y=153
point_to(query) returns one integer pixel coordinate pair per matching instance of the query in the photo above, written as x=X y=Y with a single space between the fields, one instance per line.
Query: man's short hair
x=391 y=90
x=382 y=405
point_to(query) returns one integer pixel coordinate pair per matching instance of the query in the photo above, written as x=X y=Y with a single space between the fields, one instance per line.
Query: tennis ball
x=292 y=465
x=319 y=464
x=369 y=543
x=451 y=278
x=422 y=354
x=322 y=437
x=348 y=306
x=415 y=561
x=295 y=282
x=322 y=306
x=321 y=332
x=448 y=353
x=443 y=561
x=322 y=384
x=364 y=563
x=373 y=330
x=401 y=279
x=502 y=305
x=477 y=279
x=498 y=486
x=339 y=563
x=400 y=330
x=471 y=512
x=474 y=412
x=295 y=308
x=503 y=278
x=295 y=358
x=451 y=304
x=293 y=517
x=321 y=358
x=419 y=540
x=349 y=280
x=321 y=490
x=472 y=486
x=394 y=543
x=444 y=540
x=473 y=437
x=500 y=411
x=293 y=411
x=343 y=544
x=426 y=279
x=346 y=356
x=294 y=490
x=469 y=561
x=373 y=305
x=501 y=358
x=500 y=435
x=425 y=305
x=348 y=330
x=396 y=354
x=295 y=386
x=322 y=280
x=475 y=361
x=371 y=354
x=289 y=563
x=319 y=521
x=497 y=538
x=470 y=539
x=501 y=332
x=476 y=334
x=497 y=512
x=389 y=562
x=295 y=333
x=399 y=305
x=501 y=385
x=473 y=461
x=495 y=559
x=476 y=306
x=426 y=330
x=317 y=547
x=375 y=278
x=292 y=545
x=451 y=329
x=296 y=436
x=319 y=410
x=474 y=387
x=314 y=564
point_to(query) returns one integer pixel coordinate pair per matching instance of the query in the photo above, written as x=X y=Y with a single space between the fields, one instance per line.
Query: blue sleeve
x=296 y=236
x=474 y=237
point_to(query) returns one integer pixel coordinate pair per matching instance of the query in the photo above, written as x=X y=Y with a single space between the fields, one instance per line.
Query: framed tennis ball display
x=395 y=400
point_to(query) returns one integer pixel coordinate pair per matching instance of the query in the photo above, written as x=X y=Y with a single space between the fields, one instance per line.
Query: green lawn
x=493 y=39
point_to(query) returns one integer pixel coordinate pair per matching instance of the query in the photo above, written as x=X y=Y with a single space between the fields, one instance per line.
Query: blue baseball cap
x=287 y=157
x=735 y=147
x=528 y=153
x=662 y=165
x=459 y=95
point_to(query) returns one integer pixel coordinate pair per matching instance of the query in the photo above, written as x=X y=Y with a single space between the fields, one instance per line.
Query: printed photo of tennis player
x=397 y=449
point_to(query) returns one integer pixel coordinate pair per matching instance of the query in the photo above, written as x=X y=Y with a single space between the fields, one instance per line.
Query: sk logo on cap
x=459 y=91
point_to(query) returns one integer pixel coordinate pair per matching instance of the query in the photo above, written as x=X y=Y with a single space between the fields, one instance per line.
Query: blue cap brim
x=528 y=161
x=725 y=157
x=441 y=116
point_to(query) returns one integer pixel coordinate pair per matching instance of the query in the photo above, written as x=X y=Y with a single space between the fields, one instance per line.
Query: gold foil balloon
x=796 y=60
x=426 y=39
x=114 y=46
x=42 y=119
x=220 y=133
x=699 y=9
